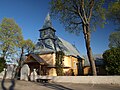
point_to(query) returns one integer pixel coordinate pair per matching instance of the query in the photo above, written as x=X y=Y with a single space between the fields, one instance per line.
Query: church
x=43 y=57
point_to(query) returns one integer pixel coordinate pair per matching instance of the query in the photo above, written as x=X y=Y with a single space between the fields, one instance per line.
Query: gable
x=32 y=58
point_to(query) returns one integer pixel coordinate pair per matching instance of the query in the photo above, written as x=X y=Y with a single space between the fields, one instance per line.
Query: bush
x=112 y=61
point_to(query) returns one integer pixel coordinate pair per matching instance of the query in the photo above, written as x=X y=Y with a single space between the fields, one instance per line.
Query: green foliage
x=112 y=60
x=10 y=33
x=24 y=47
x=114 y=39
x=2 y=64
x=59 y=63
x=29 y=46
x=98 y=16
x=114 y=12
x=12 y=43
x=72 y=13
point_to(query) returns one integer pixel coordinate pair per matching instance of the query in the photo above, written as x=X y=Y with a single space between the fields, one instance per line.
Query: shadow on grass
x=54 y=86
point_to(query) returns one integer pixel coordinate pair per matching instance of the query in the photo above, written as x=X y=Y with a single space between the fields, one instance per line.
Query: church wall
x=48 y=58
x=67 y=61
x=74 y=65
x=52 y=71
x=70 y=61
x=54 y=59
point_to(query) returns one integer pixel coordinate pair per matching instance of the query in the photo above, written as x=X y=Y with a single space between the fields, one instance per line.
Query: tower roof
x=47 y=22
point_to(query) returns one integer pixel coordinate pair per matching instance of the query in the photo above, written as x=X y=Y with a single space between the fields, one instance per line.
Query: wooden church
x=43 y=57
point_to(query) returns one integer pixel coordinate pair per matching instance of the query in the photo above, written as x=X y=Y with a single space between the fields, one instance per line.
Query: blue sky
x=30 y=15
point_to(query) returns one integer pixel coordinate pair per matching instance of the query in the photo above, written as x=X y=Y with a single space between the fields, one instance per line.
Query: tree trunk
x=86 y=32
x=17 y=73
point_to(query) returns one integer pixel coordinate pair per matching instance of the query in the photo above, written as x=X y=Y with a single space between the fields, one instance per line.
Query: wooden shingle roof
x=37 y=58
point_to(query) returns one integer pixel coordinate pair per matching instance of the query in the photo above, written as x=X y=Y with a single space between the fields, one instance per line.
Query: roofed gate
x=36 y=62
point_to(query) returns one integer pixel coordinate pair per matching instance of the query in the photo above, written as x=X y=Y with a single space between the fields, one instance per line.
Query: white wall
x=86 y=79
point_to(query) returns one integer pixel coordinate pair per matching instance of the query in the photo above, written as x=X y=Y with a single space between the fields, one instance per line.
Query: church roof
x=71 y=49
x=37 y=58
x=61 y=45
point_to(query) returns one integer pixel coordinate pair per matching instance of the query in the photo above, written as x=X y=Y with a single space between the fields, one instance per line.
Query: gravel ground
x=24 y=85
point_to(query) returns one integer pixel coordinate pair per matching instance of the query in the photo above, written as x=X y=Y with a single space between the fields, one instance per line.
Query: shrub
x=112 y=61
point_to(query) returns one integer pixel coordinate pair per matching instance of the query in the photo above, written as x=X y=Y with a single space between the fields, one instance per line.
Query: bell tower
x=47 y=31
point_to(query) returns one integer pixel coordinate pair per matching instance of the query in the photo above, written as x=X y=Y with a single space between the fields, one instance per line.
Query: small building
x=99 y=62
x=43 y=57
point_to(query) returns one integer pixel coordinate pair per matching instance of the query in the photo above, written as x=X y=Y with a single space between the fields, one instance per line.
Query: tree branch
x=83 y=11
x=76 y=22
x=81 y=16
x=91 y=7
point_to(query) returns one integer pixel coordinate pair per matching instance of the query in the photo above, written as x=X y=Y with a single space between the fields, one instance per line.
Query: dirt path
x=24 y=85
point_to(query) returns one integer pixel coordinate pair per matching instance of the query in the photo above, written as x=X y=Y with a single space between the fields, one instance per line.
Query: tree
x=59 y=63
x=29 y=46
x=114 y=12
x=77 y=14
x=10 y=33
x=112 y=61
x=24 y=47
x=114 y=39
x=2 y=64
